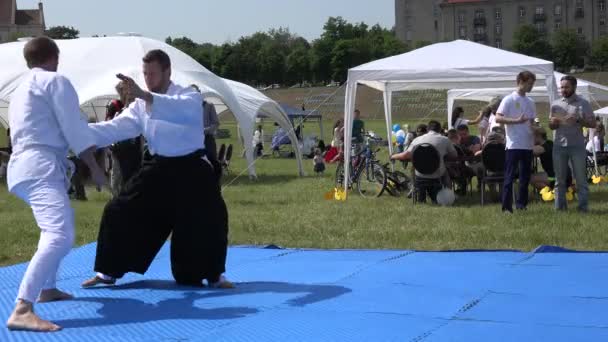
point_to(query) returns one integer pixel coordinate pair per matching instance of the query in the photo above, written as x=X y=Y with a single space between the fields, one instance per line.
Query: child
x=319 y=164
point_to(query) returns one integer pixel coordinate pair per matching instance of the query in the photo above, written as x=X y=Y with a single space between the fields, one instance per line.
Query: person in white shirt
x=177 y=191
x=258 y=141
x=45 y=121
x=517 y=112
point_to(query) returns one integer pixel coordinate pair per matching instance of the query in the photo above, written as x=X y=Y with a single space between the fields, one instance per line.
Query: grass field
x=281 y=208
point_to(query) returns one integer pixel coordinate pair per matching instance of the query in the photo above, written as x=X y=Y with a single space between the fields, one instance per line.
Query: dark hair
x=39 y=51
x=421 y=129
x=463 y=128
x=337 y=123
x=112 y=108
x=456 y=114
x=452 y=133
x=498 y=129
x=525 y=76
x=158 y=56
x=434 y=126
x=570 y=79
x=486 y=111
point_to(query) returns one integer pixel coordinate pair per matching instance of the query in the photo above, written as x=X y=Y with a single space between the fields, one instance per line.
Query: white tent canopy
x=451 y=65
x=92 y=63
x=591 y=91
x=603 y=112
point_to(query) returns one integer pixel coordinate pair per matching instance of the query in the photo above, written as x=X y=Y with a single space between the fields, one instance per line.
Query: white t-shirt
x=519 y=136
x=461 y=121
x=595 y=142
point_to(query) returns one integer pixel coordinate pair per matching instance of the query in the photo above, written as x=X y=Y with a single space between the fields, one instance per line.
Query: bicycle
x=365 y=170
x=397 y=182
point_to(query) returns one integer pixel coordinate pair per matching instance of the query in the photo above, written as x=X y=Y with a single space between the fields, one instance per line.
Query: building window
x=461 y=16
x=579 y=4
x=540 y=10
x=498 y=43
x=558 y=25
x=601 y=5
x=522 y=12
x=498 y=29
x=408 y=35
x=557 y=11
x=579 y=30
x=540 y=26
x=479 y=14
x=498 y=14
x=462 y=32
x=480 y=30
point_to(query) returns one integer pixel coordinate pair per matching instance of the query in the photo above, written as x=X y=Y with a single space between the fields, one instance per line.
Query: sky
x=207 y=20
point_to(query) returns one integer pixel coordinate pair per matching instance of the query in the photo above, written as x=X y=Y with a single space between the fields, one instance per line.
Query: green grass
x=281 y=208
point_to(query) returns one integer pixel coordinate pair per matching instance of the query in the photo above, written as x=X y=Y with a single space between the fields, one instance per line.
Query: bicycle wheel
x=372 y=180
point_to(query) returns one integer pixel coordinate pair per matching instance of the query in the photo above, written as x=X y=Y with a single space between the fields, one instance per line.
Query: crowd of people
x=512 y=121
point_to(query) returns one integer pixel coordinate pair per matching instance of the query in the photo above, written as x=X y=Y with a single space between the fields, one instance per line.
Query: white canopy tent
x=602 y=112
x=92 y=63
x=452 y=65
x=591 y=91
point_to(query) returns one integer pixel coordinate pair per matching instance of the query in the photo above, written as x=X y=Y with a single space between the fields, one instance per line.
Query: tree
x=599 y=53
x=349 y=53
x=569 y=50
x=528 y=41
x=62 y=32
x=14 y=36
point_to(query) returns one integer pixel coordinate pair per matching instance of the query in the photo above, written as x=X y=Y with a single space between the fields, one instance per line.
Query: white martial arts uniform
x=173 y=127
x=45 y=122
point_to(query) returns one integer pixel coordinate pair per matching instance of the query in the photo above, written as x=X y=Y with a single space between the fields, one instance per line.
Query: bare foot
x=24 y=318
x=96 y=280
x=222 y=283
x=53 y=295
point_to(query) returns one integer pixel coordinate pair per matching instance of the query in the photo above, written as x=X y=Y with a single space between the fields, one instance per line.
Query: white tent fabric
x=92 y=63
x=591 y=91
x=451 y=65
x=603 y=112
x=255 y=103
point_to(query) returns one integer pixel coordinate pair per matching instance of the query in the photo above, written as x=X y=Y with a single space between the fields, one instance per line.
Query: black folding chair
x=426 y=160
x=493 y=159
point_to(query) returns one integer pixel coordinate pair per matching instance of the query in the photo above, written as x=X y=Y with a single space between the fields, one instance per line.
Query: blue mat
x=313 y=295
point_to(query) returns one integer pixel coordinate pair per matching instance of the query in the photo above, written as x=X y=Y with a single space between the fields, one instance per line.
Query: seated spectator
x=543 y=150
x=421 y=130
x=471 y=145
x=454 y=137
x=445 y=149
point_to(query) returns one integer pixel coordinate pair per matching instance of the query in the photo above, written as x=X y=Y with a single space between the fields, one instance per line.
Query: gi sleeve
x=73 y=125
x=125 y=126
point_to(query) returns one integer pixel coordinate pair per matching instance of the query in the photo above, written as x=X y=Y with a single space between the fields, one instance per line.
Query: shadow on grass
x=119 y=311
x=261 y=180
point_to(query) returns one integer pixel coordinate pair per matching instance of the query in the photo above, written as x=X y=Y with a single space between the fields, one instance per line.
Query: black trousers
x=211 y=146
x=516 y=160
x=178 y=196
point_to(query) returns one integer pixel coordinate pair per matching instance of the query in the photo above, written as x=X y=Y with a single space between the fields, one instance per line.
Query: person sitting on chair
x=444 y=147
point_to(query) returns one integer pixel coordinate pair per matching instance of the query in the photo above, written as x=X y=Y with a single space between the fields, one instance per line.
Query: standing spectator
x=258 y=141
x=358 y=127
x=458 y=118
x=211 y=123
x=568 y=117
x=517 y=112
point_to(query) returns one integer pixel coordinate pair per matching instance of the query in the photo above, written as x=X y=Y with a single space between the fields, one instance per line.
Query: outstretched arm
x=125 y=126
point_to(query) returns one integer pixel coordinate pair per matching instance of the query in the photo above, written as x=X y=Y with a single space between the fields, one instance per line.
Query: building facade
x=20 y=23
x=493 y=22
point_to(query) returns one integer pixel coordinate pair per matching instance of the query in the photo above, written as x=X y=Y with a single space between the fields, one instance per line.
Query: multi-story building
x=18 y=23
x=493 y=22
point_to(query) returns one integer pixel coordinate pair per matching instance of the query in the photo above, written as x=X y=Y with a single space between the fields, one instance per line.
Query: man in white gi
x=176 y=192
x=46 y=122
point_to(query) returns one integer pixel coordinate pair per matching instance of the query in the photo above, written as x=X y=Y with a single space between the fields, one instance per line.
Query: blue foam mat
x=341 y=295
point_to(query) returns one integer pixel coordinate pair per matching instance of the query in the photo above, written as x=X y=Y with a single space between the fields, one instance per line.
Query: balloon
x=393 y=139
x=400 y=140
x=400 y=133
x=396 y=127
x=548 y=196
x=545 y=190
x=446 y=197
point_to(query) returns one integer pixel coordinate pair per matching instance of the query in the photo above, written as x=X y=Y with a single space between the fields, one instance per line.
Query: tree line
x=564 y=47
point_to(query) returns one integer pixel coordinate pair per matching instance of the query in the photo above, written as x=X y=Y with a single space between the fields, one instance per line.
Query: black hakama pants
x=178 y=196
